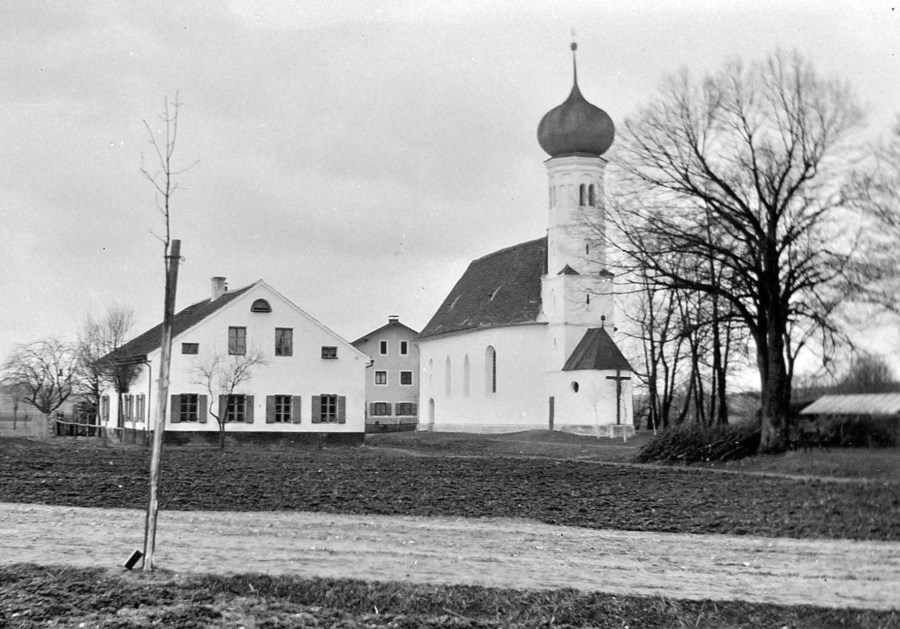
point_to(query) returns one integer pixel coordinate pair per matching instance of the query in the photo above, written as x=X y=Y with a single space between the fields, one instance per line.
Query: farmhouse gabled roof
x=151 y=340
x=597 y=351
x=858 y=404
x=500 y=289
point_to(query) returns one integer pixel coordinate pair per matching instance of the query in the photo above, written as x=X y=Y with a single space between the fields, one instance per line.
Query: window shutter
x=223 y=408
x=317 y=409
x=248 y=409
x=342 y=409
x=175 y=415
x=270 y=409
x=201 y=408
x=295 y=409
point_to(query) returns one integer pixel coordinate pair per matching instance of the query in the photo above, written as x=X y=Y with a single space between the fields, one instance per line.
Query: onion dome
x=576 y=126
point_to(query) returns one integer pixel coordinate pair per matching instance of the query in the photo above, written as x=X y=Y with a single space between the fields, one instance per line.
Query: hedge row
x=694 y=444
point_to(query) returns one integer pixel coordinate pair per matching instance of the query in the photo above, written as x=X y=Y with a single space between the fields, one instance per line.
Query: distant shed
x=873 y=404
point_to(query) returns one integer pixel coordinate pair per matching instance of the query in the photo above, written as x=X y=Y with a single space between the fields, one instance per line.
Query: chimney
x=393 y=319
x=219 y=287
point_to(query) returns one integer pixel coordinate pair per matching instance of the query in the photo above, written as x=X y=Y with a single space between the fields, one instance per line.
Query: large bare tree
x=741 y=172
x=44 y=374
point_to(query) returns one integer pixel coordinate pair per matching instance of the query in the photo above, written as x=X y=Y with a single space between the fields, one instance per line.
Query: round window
x=575 y=387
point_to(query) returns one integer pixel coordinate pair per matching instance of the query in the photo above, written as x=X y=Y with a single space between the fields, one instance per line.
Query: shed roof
x=499 y=289
x=858 y=404
x=597 y=350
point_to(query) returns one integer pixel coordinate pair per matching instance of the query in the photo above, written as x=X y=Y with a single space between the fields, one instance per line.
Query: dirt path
x=503 y=553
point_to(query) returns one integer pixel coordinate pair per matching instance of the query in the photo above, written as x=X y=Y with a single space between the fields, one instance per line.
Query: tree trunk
x=46 y=428
x=773 y=384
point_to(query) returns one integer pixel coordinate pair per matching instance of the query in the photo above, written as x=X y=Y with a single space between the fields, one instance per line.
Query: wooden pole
x=159 y=424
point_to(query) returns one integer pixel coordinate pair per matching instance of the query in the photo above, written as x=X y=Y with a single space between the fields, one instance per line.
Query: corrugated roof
x=858 y=404
x=499 y=289
x=597 y=351
x=187 y=318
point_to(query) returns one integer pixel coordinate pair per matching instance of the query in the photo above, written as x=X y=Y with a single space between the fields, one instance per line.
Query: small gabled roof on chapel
x=597 y=351
x=500 y=289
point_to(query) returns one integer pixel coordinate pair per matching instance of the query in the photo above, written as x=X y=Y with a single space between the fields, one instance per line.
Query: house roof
x=859 y=404
x=597 y=351
x=389 y=325
x=187 y=318
x=499 y=289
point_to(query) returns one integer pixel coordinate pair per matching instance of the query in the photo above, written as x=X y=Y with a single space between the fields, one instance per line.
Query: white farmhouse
x=312 y=381
x=523 y=339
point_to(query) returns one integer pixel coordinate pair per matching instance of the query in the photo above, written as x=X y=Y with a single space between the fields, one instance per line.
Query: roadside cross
x=618 y=378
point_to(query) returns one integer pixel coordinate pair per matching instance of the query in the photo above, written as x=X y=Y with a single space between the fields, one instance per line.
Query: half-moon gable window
x=260 y=305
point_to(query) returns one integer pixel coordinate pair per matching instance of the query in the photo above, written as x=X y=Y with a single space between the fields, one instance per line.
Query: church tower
x=577 y=290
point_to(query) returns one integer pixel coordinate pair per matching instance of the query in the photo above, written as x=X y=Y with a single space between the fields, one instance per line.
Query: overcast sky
x=355 y=155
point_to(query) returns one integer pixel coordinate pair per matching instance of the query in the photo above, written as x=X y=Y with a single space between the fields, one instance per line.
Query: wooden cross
x=618 y=378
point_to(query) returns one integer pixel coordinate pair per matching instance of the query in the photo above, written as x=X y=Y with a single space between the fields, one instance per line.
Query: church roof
x=597 y=351
x=151 y=340
x=499 y=289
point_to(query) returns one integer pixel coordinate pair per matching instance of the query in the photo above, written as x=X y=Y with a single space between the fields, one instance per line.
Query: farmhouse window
x=383 y=348
x=190 y=348
x=237 y=408
x=104 y=408
x=237 y=341
x=329 y=351
x=284 y=341
x=380 y=409
x=405 y=377
x=128 y=407
x=404 y=348
x=329 y=408
x=189 y=407
x=260 y=305
x=140 y=403
x=380 y=377
x=406 y=408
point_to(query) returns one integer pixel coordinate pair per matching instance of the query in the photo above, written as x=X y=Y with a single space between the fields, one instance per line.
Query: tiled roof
x=597 y=351
x=390 y=324
x=502 y=288
x=859 y=404
x=187 y=318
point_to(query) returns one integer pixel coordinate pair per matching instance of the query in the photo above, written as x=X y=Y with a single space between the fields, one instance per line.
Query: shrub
x=693 y=444
x=858 y=431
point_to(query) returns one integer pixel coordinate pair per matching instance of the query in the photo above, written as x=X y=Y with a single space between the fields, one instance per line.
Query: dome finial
x=574 y=47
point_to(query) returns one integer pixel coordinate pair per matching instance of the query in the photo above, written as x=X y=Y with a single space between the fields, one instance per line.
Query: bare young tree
x=98 y=366
x=221 y=375
x=44 y=375
x=743 y=171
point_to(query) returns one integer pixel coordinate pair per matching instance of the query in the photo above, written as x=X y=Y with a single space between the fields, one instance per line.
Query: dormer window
x=260 y=305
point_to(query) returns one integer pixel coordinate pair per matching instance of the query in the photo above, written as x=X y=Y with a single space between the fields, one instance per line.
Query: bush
x=858 y=431
x=693 y=444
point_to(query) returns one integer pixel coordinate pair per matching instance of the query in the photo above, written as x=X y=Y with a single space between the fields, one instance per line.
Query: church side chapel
x=523 y=339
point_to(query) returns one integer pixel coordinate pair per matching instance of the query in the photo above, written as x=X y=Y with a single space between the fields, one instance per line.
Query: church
x=524 y=339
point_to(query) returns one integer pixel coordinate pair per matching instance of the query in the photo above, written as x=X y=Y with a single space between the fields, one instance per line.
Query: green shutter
x=223 y=407
x=201 y=408
x=342 y=409
x=317 y=409
x=175 y=414
x=296 y=407
x=248 y=409
x=270 y=409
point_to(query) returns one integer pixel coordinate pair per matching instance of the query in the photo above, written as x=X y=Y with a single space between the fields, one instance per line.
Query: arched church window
x=447 y=380
x=592 y=198
x=582 y=196
x=587 y=299
x=466 y=376
x=490 y=370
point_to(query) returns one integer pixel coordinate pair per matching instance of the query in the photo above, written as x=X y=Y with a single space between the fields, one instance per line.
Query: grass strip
x=35 y=596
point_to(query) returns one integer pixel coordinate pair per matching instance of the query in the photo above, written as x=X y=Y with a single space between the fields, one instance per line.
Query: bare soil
x=502 y=552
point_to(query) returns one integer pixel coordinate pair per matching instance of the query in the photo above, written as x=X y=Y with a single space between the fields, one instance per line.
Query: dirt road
x=501 y=553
